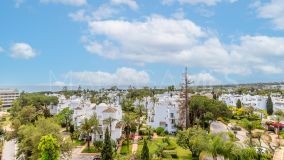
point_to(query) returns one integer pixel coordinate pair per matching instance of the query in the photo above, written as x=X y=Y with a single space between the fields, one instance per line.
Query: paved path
x=9 y=150
x=279 y=154
x=135 y=144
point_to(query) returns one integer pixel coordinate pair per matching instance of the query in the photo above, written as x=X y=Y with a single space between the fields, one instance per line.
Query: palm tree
x=139 y=112
x=249 y=126
x=216 y=146
x=109 y=122
x=154 y=101
x=95 y=124
x=127 y=122
x=86 y=128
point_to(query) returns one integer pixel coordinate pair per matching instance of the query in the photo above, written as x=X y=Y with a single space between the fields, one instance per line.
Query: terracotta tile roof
x=119 y=125
x=110 y=110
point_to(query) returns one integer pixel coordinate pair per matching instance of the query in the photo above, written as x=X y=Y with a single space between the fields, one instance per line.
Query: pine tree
x=239 y=104
x=145 y=151
x=107 y=147
x=269 y=106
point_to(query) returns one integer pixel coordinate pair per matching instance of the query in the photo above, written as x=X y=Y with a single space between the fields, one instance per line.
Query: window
x=173 y=121
x=172 y=115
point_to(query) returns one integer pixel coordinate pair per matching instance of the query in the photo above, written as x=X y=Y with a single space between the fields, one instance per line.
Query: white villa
x=255 y=101
x=83 y=109
x=164 y=113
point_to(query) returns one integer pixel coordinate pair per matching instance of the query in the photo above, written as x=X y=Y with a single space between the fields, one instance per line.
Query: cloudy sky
x=140 y=42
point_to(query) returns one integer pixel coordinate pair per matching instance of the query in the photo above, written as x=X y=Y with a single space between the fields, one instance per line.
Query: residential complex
x=84 y=109
x=256 y=101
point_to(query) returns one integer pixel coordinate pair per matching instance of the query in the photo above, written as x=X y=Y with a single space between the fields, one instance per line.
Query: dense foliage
x=202 y=110
x=107 y=153
x=269 y=106
x=49 y=148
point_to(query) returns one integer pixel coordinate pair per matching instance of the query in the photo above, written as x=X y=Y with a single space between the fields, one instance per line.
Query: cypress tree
x=145 y=151
x=107 y=147
x=269 y=106
x=239 y=104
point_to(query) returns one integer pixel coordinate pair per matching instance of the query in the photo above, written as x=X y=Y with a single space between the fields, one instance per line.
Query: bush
x=98 y=145
x=170 y=154
x=143 y=132
x=160 y=131
x=166 y=132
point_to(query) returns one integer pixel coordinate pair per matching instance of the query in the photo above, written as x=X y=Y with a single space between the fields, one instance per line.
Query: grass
x=78 y=142
x=91 y=150
x=173 y=147
x=124 y=150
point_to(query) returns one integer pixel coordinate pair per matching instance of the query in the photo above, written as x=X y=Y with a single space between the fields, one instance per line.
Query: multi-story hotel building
x=7 y=96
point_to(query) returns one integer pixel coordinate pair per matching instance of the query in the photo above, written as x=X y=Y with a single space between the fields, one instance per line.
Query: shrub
x=170 y=154
x=160 y=130
x=98 y=145
x=166 y=132
x=143 y=132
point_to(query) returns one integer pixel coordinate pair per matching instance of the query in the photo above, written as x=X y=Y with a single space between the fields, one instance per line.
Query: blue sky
x=128 y=42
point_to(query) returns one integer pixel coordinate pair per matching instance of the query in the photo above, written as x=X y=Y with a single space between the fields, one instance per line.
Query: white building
x=111 y=113
x=256 y=101
x=84 y=109
x=8 y=96
x=164 y=113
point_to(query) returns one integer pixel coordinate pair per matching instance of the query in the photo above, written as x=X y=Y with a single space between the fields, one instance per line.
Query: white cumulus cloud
x=196 y=2
x=181 y=42
x=203 y=79
x=66 y=2
x=121 y=77
x=131 y=3
x=22 y=51
x=274 y=11
x=1 y=49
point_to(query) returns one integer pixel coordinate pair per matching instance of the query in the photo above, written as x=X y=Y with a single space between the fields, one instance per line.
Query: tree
x=269 y=106
x=107 y=147
x=139 y=113
x=249 y=126
x=145 y=151
x=239 y=104
x=217 y=146
x=127 y=121
x=194 y=139
x=109 y=122
x=199 y=107
x=86 y=128
x=29 y=137
x=95 y=124
x=65 y=116
x=1 y=103
x=49 y=148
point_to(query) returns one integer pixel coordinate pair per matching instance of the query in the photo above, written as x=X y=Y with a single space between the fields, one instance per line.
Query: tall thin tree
x=107 y=147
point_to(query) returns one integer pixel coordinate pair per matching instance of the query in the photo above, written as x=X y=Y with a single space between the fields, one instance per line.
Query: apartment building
x=8 y=96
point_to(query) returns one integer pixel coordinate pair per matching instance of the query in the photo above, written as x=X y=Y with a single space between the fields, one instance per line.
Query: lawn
x=173 y=148
x=124 y=150
x=91 y=150
x=78 y=142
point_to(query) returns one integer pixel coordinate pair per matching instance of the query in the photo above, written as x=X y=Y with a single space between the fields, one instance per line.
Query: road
x=9 y=150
